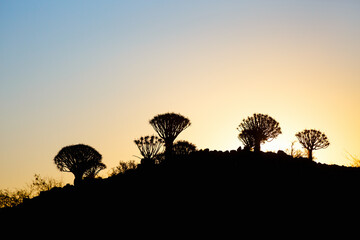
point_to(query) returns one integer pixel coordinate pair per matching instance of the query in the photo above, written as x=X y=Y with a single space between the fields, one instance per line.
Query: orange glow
x=100 y=79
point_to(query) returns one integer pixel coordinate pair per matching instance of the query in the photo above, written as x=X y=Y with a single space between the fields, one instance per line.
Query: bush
x=39 y=184
x=122 y=168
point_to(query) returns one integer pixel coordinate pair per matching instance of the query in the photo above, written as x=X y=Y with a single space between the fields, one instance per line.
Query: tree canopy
x=149 y=147
x=257 y=129
x=81 y=160
x=312 y=140
x=183 y=147
x=168 y=126
x=247 y=139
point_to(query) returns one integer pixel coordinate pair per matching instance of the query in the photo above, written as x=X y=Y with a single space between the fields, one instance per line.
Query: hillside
x=202 y=183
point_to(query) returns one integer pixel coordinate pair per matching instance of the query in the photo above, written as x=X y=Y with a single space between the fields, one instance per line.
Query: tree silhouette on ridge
x=183 y=147
x=257 y=129
x=149 y=147
x=168 y=126
x=81 y=160
x=312 y=140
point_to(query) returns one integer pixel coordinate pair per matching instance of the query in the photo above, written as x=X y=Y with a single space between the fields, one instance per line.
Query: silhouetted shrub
x=13 y=198
x=40 y=184
x=122 y=168
x=183 y=147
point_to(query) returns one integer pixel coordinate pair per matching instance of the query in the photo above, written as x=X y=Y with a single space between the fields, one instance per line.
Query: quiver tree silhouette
x=81 y=160
x=312 y=140
x=149 y=147
x=94 y=170
x=247 y=139
x=257 y=129
x=183 y=148
x=169 y=126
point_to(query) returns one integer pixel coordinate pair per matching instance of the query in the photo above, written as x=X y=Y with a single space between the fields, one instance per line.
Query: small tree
x=122 y=168
x=40 y=184
x=257 y=129
x=247 y=139
x=295 y=153
x=94 y=170
x=183 y=148
x=312 y=140
x=169 y=126
x=81 y=160
x=149 y=146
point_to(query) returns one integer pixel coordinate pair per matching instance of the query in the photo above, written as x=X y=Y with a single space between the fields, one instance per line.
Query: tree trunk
x=78 y=179
x=257 y=146
x=168 y=150
x=147 y=162
x=310 y=154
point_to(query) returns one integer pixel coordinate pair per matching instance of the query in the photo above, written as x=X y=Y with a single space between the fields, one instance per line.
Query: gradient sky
x=95 y=72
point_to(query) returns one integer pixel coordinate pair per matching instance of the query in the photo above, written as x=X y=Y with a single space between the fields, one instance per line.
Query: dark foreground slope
x=203 y=186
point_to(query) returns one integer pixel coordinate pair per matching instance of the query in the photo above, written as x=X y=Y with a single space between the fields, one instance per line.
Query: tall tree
x=81 y=160
x=312 y=140
x=149 y=147
x=169 y=126
x=257 y=129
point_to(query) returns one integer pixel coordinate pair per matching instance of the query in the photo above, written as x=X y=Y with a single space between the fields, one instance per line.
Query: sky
x=96 y=72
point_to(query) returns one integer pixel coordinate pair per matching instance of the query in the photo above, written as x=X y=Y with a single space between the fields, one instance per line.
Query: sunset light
x=96 y=72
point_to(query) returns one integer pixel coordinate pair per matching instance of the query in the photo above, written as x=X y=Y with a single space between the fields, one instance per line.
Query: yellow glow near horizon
x=100 y=76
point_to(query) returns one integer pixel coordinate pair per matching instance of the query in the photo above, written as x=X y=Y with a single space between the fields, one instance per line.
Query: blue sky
x=95 y=72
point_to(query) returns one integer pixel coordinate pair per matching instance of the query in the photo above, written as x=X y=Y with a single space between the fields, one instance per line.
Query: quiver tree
x=169 y=126
x=149 y=147
x=312 y=140
x=94 y=170
x=183 y=148
x=81 y=160
x=257 y=129
x=247 y=139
